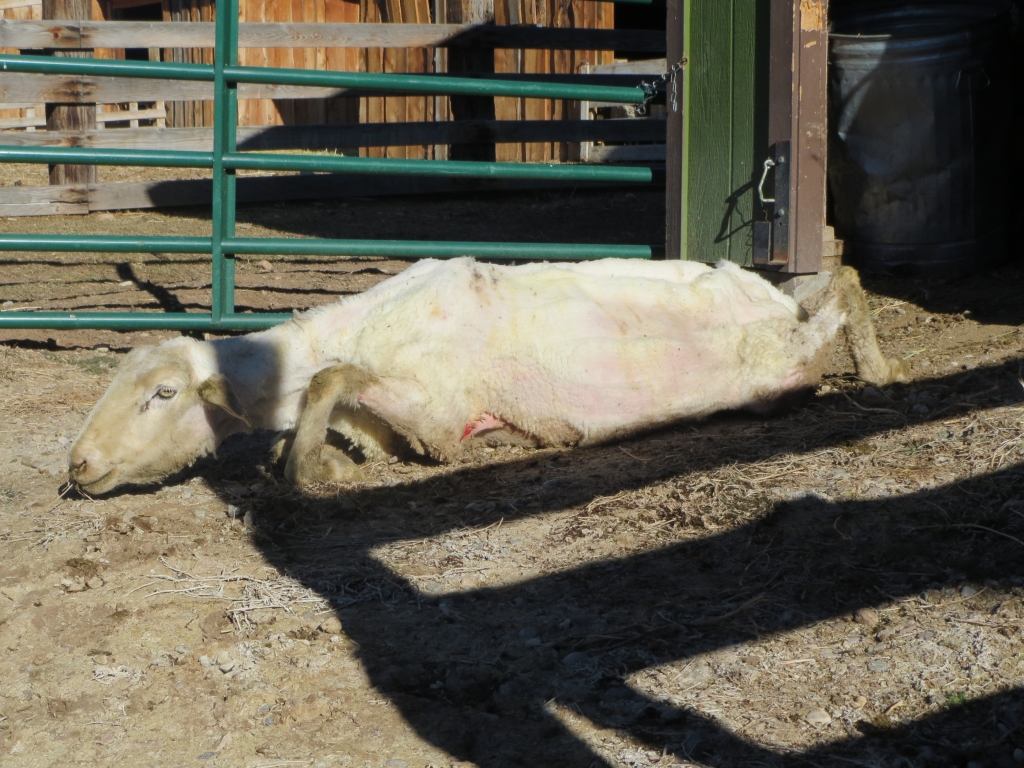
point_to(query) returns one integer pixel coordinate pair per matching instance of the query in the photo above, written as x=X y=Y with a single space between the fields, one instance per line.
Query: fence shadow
x=460 y=672
x=461 y=667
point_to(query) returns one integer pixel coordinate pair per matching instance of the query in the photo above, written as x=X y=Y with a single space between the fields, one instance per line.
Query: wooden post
x=471 y=60
x=70 y=117
x=798 y=121
x=675 y=176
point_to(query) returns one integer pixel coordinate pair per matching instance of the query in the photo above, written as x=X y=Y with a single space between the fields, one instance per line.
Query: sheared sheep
x=445 y=352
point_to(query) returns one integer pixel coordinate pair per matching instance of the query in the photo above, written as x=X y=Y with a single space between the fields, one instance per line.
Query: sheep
x=451 y=351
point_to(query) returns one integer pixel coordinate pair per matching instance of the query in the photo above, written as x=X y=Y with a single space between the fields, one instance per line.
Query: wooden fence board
x=171 y=34
x=314 y=137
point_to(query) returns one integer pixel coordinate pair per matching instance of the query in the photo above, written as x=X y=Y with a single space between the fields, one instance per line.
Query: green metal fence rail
x=224 y=160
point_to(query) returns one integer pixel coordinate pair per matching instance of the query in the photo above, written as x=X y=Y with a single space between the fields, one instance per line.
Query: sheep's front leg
x=311 y=460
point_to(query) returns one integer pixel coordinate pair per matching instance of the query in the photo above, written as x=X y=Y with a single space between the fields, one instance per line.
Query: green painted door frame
x=740 y=81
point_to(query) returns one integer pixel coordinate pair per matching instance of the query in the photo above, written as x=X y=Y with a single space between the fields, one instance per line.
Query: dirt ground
x=841 y=585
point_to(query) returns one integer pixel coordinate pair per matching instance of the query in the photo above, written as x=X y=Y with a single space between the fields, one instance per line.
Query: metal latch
x=771 y=236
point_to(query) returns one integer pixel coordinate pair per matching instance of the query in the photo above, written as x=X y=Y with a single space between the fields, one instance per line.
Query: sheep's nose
x=78 y=461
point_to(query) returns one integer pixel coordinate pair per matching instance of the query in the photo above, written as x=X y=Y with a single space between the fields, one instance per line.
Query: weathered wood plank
x=675 y=132
x=10 y=5
x=34 y=89
x=315 y=137
x=79 y=116
x=172 y=34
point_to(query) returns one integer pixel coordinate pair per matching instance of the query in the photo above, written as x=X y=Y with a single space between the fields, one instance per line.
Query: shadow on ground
x=456 y=664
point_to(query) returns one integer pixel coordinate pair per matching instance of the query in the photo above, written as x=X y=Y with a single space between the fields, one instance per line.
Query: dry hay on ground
x=838 y=586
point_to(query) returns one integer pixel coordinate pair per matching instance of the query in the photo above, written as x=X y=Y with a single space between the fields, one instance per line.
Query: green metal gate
x=224 y=160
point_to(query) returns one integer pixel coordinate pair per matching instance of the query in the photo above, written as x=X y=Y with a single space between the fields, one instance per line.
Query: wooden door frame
x=754 y=78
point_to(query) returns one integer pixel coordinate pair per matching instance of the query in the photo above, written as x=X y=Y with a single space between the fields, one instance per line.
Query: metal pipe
x=103 y=244
x=463 y=168
x=428 y=84
x=418 y=84
x=435 y=249
x=289 y=246
x=264 y=161
x=141 y=321
x=150 y=70
x=160 y=158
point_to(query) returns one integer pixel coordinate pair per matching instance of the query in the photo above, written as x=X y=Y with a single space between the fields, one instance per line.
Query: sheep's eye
x=166 y=393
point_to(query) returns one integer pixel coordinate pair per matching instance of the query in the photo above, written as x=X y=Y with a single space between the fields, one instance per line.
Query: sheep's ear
x=217 y=391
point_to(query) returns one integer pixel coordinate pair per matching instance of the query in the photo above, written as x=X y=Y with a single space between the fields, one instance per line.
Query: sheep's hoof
x=332 y=466
x=281 y=448
x=899 y=370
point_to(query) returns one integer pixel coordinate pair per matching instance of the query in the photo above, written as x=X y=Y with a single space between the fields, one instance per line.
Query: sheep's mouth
x=97 y=485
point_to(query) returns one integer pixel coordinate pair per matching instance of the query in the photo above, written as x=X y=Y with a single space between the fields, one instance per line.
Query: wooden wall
x=581 y=14
x=377 y=109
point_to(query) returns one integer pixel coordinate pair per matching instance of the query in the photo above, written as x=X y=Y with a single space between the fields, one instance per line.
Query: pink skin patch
x=485 y=423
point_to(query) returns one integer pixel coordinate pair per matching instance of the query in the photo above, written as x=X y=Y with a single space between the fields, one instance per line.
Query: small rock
x=8 y=303
x=859 y=702
x=968 y=591
x=73 y=585
x=330 y=625
x=266 y=266
x=878 y=665
x=205 y=661
x=1018 y=755
x=818 y=716
x=575 y=658
x=256 y=487
x=527 y=633
x=232 y=511
x=872 y=393
x=396 y=763
x=630 y=196
x=207 y=755
x=432 y=588
x=920 y=408
x=227 y=666
x=200 y=514
x=223 y=657
x=247 y=518
x=105 y=216
x=866 y=617
x=95 y=582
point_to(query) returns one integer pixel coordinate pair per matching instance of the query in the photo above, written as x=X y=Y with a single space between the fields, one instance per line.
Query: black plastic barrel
x=920 y=109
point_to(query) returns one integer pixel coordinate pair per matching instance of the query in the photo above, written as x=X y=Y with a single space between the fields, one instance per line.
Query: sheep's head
x=163 y=410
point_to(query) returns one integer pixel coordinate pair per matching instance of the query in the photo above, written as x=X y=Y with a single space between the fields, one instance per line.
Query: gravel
x=818 y=716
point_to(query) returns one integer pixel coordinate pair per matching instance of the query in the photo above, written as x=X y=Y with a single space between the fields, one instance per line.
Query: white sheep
x=447 y=351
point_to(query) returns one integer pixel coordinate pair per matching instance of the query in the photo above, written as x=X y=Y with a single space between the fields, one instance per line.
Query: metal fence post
x=225 y=117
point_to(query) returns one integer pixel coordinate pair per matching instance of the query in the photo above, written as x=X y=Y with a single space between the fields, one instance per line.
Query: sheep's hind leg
x=872 y=365
x=311 y=460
